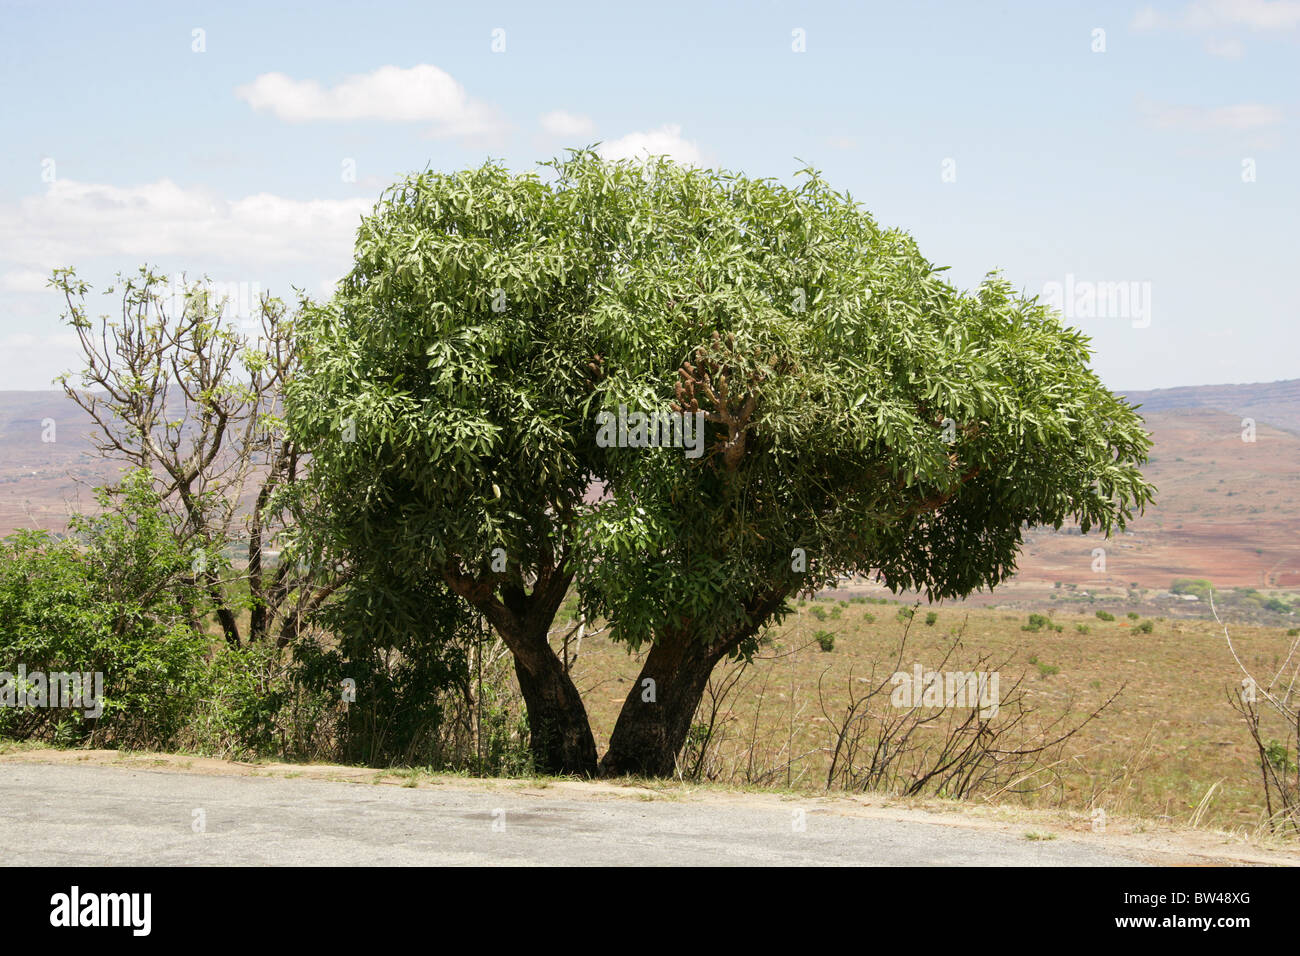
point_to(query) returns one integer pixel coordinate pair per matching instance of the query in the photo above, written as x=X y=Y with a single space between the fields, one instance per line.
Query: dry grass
x=1169 y=748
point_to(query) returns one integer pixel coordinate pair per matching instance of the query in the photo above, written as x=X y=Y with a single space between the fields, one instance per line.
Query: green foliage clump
x=115 y=597
x=1279 y=755
x=930 y=618
x=1105 y=616
x=1146 y=627
x=825 y=640
x=1039 y=621
x=1044 y=670
x=1199 y=587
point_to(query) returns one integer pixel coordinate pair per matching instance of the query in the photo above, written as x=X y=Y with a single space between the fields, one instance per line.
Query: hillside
x=1226 y=510
x=1277 y=403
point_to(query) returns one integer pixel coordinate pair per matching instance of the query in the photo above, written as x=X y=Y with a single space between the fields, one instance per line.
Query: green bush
x=1133 y=615
x=1146 y=627
x=1037 y=622
x=825 y=640
x=1197 y=586
x=1105 y=616
x=114 y=598
x=930 y=619
x=1044 y=670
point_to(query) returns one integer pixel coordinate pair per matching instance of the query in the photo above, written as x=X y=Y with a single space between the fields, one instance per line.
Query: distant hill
x=1274 y=403
x=42 y=481
x=1226 y=510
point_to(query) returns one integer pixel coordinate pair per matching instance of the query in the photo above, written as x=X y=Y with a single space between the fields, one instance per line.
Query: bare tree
x=176 y=390
x=1280 y=695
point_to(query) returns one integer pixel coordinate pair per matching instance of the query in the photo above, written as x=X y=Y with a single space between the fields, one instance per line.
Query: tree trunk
x=558 y=730
x=656 y=717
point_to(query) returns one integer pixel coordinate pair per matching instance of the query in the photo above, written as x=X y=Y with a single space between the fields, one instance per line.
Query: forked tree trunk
x=559 y=734
x=656 y=717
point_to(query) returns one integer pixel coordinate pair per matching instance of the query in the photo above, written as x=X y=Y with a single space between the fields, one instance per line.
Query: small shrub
x=1133 y=615
x=1146 y=627
x=1044 y=670
x=931 y=618
x=1082 y=628
x=825 y=640
x=1105 y=616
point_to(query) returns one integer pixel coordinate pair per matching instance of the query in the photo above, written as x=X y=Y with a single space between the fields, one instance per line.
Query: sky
x=1136 y=165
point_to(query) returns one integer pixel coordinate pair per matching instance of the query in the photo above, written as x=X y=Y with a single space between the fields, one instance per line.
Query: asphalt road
x=59 y=815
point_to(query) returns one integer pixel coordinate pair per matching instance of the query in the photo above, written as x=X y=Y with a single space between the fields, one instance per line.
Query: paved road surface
x=112 y=816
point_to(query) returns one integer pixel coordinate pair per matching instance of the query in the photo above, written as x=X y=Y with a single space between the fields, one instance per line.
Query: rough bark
x=649 y=733
x=559 y=733
x=651 y=729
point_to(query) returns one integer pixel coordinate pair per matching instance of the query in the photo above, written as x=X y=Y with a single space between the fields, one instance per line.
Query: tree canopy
x=861 y=416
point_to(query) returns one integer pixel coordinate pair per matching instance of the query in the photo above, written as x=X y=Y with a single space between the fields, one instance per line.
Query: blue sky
x=1153 y=169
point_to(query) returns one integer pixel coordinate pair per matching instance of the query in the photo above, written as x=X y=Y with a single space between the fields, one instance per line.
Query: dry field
x=1169 y=738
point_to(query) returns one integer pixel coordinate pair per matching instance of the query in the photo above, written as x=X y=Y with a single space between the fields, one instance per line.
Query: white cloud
x=72 y=220
x=24 y=280
x=1220 y=17
x=26 y=340
x=1255 y=14
x=1239 y=116
x=562 y=123
x=1203 y=15
x=421 y=94
x=1228 y=49
x=666 y=140
x=1148 y=18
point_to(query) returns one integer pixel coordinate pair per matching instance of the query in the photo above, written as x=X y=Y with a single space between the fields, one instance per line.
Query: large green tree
x=861 y=415
x=442 y=396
